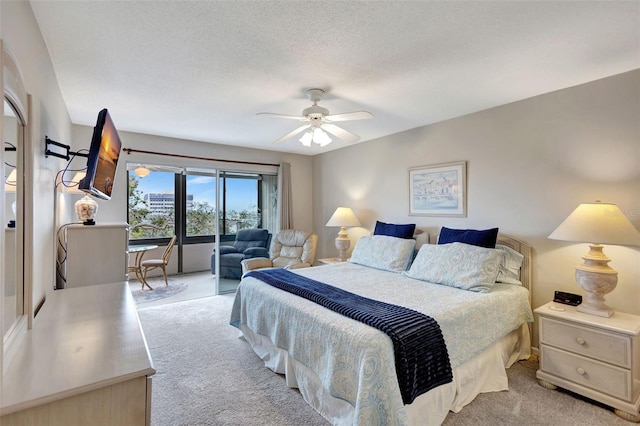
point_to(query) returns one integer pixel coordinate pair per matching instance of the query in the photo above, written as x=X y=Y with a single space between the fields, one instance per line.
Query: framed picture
x=438 y=190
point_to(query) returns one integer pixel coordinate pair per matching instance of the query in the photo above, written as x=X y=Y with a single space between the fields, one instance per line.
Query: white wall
x=530 y=163
x=21 y=35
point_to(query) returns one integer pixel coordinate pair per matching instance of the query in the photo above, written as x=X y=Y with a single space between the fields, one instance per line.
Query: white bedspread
x=354 y=361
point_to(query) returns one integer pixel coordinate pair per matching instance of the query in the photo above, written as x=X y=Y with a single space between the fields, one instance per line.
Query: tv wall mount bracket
x=49 y=143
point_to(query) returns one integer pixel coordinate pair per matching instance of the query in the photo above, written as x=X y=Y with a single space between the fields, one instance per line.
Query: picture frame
x=438 y=190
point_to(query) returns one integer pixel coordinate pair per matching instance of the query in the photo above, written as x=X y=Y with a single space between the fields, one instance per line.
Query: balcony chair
x=150 y=264
x=290 y=249
x=249 y=243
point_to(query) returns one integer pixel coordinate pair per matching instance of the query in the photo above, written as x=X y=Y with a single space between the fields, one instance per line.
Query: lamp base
x=597 y=279
x=342 y=244
x=86 y=209
x=608 y=312
x=596 y=285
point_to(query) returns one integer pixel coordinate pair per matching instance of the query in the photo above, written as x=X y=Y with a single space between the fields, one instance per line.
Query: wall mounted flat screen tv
x=102 y=161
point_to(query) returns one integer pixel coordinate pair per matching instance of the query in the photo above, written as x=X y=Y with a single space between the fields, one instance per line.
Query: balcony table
x=140 y=250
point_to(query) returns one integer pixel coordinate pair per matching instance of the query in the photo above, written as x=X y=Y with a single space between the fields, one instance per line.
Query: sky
x=241 y=193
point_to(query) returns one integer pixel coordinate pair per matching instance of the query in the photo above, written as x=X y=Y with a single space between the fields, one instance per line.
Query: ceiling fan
x=318 y=122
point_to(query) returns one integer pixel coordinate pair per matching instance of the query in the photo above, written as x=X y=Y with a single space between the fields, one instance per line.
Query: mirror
x=13 y=305
x=14 y=287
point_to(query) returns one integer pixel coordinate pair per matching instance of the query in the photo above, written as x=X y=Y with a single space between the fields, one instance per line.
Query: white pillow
x=459 y=265
x=383 y=252
x=509 y=269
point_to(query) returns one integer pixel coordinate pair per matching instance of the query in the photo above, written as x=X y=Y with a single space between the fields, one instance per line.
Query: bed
x=346 y=369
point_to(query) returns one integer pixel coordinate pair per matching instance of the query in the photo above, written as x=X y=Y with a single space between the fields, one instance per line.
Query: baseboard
x=535 y=351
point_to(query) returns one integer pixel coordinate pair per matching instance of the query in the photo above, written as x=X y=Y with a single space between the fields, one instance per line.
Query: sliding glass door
x=204 y=208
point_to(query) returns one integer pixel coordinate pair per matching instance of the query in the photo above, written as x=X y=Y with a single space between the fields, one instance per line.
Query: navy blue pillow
x=482 y=238
x=393 y=230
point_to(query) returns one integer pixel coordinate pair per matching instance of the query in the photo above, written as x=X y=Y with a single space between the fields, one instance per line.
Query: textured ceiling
x=202 y=70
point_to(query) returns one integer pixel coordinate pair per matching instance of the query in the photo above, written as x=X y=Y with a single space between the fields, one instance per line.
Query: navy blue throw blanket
x=421 y=357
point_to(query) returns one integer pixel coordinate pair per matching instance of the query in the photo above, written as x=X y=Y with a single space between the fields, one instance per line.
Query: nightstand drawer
x=607 y=347
x=587 y=372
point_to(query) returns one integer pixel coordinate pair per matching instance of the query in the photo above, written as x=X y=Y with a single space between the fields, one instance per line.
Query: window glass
x=151 y=205
x=240 y=203
x=200 y=205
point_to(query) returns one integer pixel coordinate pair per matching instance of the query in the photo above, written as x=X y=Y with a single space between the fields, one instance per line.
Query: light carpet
x=206 y=375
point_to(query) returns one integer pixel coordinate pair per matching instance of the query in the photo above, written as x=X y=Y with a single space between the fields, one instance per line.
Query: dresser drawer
x=608 y=347
x=604 y=378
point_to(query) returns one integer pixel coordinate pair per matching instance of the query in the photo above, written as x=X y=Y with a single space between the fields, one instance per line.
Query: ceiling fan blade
x=289 y=117
x=341 y=133
x=292 y=133
x=355 y=115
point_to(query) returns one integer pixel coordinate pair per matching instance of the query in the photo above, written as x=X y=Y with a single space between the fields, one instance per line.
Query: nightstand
x=330 y=261
x=593 y=356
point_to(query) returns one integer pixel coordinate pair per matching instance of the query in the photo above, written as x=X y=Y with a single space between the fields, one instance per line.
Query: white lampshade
x=321 y=137
x=11 y=181
x=600 y=223
x=343 y=216
x=597 y=223
x=306 y=138
x=317 y=136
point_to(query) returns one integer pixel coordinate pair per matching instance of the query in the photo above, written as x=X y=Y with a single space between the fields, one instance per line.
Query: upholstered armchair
x=289 y=249
x=249 y=243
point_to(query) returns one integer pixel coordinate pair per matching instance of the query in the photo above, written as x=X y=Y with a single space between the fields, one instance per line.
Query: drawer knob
x=581 y=371
x=580 y=341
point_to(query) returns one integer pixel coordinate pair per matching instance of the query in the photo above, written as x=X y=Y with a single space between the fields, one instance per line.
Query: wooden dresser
x=85 y=361
x=593 y=356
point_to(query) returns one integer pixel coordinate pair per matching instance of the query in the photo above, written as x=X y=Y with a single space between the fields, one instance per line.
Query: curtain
x=285 y=212
x=269 y=208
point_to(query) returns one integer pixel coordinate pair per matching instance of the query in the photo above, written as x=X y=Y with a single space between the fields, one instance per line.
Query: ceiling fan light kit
x=319 y=122
x=316 y=135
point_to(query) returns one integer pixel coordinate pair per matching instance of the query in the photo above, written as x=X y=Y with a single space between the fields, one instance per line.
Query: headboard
x=525 y=250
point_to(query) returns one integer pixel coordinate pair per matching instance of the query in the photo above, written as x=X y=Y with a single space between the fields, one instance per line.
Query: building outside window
x=161 y=204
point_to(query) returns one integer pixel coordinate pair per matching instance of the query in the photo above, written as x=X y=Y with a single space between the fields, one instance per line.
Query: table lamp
x=597 y=223
x=86 y=208
x=343 y=217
